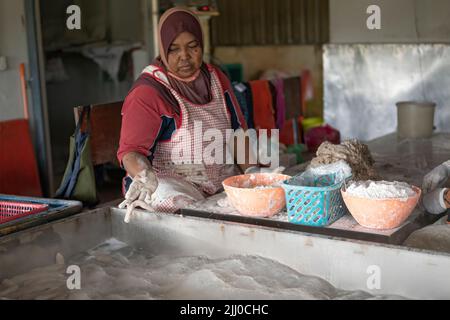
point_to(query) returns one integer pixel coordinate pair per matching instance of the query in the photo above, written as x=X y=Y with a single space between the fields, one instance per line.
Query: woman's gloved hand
x=140 y=192
x=264 y=170
x=434 y=201
x=436 y=178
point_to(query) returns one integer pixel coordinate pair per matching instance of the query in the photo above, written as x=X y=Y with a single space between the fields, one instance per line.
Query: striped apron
x=183 y=174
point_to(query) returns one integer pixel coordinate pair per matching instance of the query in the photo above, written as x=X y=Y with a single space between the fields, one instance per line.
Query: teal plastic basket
x=314 y=201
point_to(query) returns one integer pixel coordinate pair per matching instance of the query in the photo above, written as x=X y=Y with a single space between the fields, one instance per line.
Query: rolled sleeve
x=141 y=122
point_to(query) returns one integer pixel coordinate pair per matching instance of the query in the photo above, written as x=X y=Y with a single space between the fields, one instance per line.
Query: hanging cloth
x=78 y=182
x=240 y=91
x=293 y=98
x=306 y=89
x=249 y=100
x=280 y=102
x=263 y=110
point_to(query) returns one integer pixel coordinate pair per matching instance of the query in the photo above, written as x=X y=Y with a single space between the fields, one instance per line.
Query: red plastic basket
x=10 y=210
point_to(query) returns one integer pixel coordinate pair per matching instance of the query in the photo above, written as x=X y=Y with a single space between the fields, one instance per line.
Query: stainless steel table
x=405 y=160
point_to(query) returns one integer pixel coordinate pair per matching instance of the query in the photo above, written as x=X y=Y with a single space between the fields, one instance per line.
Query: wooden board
x=106 y=121
x=19 y=172
x=395 y=159
x=346 y=227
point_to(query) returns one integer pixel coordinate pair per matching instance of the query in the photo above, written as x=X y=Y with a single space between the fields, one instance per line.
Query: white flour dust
x=323 y=175
x=272 y=186
x=114 y=270
x=270 y=183
x=340 y=169
x=381 y=190
x=171 y=188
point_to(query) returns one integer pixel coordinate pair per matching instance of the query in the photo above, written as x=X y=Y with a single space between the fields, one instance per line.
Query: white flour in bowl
x=273 y=181
x=381 y=190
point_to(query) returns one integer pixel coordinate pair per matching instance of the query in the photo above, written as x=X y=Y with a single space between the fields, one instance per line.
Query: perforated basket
x=11 y=210
x=317 y=203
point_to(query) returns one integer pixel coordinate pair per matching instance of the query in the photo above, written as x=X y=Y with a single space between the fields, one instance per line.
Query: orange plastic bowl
x=256 y=202
x=381 y=214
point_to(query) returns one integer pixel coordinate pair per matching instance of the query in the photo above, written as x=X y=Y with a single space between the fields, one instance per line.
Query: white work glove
x=434 y=201
x=140 y=193
x=255 y=169
x=436 y=178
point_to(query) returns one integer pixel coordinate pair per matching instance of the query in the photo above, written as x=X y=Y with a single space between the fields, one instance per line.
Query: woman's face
x=185 y=56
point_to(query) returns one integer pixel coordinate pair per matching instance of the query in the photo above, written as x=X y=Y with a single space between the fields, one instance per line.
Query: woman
x=171 y=97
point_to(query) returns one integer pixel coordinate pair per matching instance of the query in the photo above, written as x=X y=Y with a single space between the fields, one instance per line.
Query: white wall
x=398 y=21
x=363 y=83
x=13 y=45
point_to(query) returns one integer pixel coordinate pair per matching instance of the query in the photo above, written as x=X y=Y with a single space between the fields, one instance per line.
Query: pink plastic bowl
x=262 y=202
x=381 y=213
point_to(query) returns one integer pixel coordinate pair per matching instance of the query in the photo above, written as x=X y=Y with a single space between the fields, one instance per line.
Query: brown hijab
x=172 y=23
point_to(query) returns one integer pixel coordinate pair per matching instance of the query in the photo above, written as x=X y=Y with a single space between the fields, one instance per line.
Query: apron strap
x=157 y=73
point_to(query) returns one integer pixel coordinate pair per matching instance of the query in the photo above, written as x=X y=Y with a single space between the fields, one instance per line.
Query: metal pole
x=155 y=18
x=38 y=111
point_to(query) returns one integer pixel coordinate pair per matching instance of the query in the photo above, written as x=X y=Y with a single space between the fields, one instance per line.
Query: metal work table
x=405 y=160
x=321 y=252
x=341 y=262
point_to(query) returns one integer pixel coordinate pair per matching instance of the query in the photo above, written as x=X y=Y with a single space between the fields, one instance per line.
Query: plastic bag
x=316 y=136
